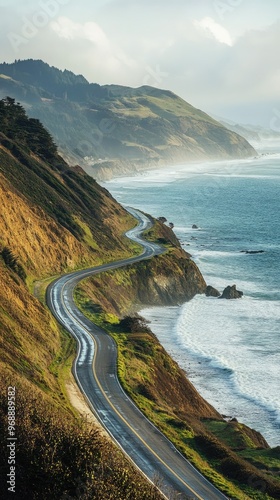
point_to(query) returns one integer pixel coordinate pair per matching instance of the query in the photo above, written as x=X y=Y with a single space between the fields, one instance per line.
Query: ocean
x=230 y=349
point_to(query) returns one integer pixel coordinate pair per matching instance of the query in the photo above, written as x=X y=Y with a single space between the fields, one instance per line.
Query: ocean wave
x=216 y=374
x=244 y=175
x=217 y=333
x=219 y=253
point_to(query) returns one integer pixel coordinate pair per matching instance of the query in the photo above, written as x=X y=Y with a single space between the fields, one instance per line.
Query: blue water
x=230 y=349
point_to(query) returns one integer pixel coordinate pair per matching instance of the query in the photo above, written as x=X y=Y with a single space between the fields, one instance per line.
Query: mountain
x=261 y=137
x=112 y=129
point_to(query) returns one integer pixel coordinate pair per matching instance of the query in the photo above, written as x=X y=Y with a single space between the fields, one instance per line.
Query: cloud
x=90 y=47
x=91 y=31
x=214 y=29
x=218 y=66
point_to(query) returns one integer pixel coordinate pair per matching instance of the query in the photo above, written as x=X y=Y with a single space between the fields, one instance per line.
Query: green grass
x=88 y=237
x=268 y=460
x=132 y=108
x=232 y=434
x=163 y=106
x=170 y=106
x=61 y=367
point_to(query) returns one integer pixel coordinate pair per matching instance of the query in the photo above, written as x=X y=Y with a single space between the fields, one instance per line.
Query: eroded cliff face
x=168 y=279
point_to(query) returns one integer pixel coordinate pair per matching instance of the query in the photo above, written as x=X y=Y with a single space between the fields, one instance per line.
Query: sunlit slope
x=53 y=218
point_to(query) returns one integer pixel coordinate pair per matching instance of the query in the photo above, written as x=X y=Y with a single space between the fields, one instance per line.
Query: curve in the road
x=95 y=370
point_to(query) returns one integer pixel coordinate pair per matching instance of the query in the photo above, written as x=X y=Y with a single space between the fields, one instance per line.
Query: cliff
x=112 y=130
x=168 y=279
x=229 y=453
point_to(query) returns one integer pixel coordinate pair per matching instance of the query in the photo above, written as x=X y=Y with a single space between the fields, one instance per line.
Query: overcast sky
x=222 y=56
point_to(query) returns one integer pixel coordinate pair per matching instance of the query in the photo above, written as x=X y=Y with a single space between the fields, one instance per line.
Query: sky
x=222 y=56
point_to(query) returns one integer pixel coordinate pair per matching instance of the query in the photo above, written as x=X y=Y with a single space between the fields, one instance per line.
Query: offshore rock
x=252 y=251
x=230 y=292
x=212 y=292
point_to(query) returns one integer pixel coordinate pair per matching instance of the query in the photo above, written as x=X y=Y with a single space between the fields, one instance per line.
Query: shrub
x=134 y=324
x=13 y=263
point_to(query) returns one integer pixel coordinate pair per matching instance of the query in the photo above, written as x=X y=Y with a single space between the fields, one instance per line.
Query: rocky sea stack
x=212 y=292
x=230 y=292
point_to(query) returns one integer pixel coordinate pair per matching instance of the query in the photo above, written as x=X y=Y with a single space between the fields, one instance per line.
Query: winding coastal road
x=95 y=370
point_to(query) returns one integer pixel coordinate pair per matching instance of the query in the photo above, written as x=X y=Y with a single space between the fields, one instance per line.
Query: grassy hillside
x=57 y=454
x=53 y=218
x=110 y=129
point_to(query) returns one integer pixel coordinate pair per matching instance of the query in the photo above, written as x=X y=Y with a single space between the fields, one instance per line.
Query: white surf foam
x=211 y=341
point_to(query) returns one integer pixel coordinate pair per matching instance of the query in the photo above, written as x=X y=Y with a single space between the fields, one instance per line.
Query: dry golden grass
x=29 y=335
x=43 y=246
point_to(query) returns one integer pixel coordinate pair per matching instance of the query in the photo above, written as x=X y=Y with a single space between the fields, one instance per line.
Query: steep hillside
x=56 y=454
x=110 y=129
x=53 y=218
x=255 y=133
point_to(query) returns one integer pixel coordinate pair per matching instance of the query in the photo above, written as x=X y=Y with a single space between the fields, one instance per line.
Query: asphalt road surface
x=95 y=370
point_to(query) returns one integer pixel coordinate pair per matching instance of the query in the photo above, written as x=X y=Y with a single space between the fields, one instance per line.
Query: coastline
x=144 y=169
x=135 y=187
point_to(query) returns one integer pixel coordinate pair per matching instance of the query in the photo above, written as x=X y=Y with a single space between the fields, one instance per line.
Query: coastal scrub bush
x=13 y=263
x=134 y=324
x=211 y=447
